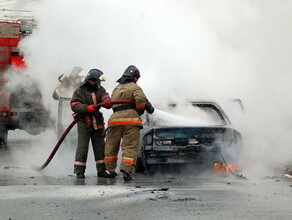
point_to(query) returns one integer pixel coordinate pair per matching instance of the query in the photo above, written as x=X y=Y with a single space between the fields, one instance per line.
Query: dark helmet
x=95 y=75
x=128 y=75
x=132 y=71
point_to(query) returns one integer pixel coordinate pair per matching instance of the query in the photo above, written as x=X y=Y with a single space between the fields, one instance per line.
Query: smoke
x=184 y=49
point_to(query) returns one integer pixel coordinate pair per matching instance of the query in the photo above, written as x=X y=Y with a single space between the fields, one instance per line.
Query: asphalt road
x=55 y=193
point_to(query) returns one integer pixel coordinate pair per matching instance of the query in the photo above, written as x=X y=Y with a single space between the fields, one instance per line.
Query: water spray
x=170 y=117
x=179 y=119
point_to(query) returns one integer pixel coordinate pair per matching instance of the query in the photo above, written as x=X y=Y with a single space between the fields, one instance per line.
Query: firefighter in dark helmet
x=125 y=123
x=91 y=126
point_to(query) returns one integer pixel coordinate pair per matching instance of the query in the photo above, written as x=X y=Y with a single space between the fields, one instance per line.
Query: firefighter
x=91 y=126
x=125 y=124
x=68 y=84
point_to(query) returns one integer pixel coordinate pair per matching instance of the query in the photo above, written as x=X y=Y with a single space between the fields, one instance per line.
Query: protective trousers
x=97 y=140
x=130 y=136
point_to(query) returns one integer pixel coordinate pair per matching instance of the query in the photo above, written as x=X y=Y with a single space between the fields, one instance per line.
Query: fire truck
x=21 y=104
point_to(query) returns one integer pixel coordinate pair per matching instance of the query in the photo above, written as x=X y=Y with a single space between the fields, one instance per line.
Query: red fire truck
x=21 y=105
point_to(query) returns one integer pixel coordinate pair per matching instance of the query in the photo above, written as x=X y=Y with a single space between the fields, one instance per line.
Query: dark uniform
x=125 y=124
x=91 y=126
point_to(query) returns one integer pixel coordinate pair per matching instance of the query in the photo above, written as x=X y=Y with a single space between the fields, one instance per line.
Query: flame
x=223 y=169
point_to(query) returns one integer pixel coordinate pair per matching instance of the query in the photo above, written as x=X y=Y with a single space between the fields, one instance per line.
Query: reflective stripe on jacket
x=82 y=97
x=132 y=92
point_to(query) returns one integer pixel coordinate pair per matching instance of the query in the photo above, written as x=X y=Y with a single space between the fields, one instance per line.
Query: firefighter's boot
x=101 y=171
x=112 y=174
x=127 y=176
x=80 y=175
x=103 y=174
x=79 y=169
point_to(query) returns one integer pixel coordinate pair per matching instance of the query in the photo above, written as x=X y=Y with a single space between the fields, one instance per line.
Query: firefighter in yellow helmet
x=69 y=83
x=125 y=123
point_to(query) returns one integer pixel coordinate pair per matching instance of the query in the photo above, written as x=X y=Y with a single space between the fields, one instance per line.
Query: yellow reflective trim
x=128 y=161
x=128 y=158
x=79 y=163
x=125 y=119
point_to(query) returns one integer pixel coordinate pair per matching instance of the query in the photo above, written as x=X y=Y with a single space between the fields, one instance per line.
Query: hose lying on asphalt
x=68 y=129
x=239 y=177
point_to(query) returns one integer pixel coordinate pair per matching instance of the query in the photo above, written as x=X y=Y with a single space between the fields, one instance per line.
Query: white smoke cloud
x=185 y=49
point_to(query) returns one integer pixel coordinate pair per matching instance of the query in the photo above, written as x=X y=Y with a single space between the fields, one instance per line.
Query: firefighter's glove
x=149 y=108
x=107 y=104
x=90 y=108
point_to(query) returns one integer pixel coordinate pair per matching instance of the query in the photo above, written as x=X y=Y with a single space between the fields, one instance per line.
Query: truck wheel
x=3 y=137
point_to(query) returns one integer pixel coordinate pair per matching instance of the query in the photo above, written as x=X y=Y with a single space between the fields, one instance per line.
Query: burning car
x=198 y=134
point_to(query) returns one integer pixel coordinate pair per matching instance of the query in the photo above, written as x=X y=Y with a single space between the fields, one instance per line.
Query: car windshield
x=187 y=115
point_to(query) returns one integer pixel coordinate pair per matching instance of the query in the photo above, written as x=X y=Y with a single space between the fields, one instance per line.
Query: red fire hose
x=77 y=118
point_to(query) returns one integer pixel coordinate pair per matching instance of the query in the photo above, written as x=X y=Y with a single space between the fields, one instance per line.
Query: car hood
x=204 y=134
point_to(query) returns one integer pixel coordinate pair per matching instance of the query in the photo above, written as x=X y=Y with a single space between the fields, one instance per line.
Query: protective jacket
x=84 y=96
x=127 y=114
x=125 y=124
